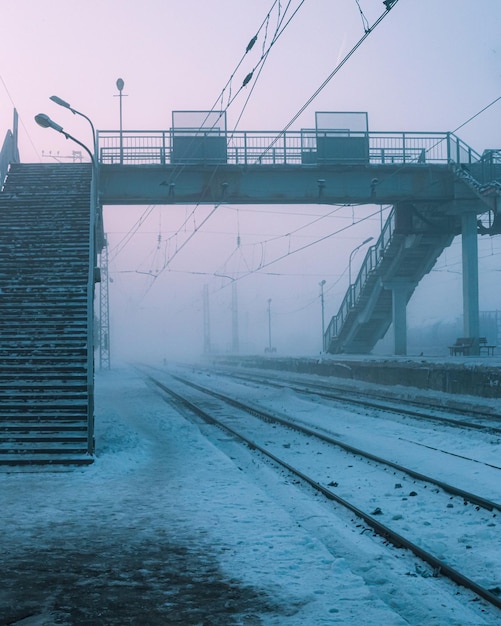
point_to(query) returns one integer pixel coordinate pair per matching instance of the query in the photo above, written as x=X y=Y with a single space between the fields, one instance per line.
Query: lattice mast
x=104 y=310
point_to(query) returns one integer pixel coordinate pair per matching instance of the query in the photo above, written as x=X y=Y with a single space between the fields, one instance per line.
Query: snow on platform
x=165 y=528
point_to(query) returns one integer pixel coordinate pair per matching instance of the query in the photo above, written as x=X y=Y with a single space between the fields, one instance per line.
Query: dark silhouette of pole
x=322 y=283
x=120 y=86
x=269 y=325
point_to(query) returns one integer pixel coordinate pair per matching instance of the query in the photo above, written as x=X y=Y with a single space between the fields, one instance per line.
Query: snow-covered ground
x=166 y=527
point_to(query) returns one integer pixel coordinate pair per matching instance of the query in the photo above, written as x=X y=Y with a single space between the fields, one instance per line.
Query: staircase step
x=54 y=426
x=45 y=459
x=44 y=344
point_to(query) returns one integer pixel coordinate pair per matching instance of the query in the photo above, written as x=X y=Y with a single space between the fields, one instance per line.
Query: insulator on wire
x=251 y=43
x=247 y=78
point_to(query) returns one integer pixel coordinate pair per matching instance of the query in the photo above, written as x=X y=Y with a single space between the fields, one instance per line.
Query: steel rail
x=344 y=397
x=397 y=540
x=270 y=417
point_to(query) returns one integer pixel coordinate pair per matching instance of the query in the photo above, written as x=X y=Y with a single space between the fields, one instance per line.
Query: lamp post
x=269 y=325
x=65 y=104
x=44 y=121
x=322 y=283
x=120 y=85
x=352 y=254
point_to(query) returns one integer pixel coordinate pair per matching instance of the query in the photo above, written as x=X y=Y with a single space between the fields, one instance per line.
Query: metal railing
x=372 y=260
x=491 y=166
x=9 y=152
x=304 y=147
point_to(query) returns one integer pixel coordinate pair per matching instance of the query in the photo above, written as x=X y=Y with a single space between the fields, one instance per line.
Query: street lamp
x=45 y=122
x=120 y=85
x=269 y=325
x=65 y=104
x=322 y=283
x=352 y=254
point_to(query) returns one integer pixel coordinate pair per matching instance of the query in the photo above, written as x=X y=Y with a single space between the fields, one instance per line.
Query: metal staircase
x=46 y=388
x=407 y=249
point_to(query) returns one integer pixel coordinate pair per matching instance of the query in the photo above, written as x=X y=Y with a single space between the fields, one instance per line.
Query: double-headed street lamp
x=65 y=104
x=45 y=122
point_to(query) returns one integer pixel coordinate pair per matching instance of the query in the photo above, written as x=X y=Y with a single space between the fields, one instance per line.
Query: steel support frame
x=471 y=308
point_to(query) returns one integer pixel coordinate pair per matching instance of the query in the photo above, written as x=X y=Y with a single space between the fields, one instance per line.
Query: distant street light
x=322 y=283
x=269 y=349
x=120 y=85
x=352 y=254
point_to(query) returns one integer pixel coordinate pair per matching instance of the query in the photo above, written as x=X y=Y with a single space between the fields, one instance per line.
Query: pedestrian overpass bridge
x=437 y=184
x=438 y=187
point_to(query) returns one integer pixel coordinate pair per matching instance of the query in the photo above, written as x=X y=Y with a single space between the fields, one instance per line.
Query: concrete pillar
x=400 y=293
x=471 y=315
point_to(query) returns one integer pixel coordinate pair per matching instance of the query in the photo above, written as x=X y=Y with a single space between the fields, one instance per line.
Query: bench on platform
x=464 y=345
x=483 y=345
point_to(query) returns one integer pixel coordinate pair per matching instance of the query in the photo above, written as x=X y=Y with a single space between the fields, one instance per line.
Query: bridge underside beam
x=274 y=184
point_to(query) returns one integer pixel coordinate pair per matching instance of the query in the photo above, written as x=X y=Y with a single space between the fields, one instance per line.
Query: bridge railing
x=9 y=152
x=373 y=258
x=304 y=147
x=491 y=165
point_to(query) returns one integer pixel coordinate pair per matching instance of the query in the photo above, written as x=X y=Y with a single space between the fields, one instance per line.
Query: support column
x=471 y=315
x=400 y=290
x=234 y=318
x=400 y=295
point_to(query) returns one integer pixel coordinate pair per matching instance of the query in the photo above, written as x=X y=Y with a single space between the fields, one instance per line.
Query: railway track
x=478 y=419
x=297 y=449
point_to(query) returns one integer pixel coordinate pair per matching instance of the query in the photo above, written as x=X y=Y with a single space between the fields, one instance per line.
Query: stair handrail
x=372 y=260
x=9 y=152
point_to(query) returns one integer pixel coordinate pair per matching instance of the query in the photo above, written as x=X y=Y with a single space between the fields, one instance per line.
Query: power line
x=389 y=5
x=306 y=246
x=278 y=32
x=408 y=164
x=178 y=170
x=126 y=239
x=477 y=114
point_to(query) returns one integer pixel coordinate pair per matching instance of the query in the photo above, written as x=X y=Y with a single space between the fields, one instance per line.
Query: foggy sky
x=430 y=66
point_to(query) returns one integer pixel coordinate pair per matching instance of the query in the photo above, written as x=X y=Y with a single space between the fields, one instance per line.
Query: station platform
x=476 y=376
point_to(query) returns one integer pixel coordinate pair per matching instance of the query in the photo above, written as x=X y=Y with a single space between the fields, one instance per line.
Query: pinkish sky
x=429 y=66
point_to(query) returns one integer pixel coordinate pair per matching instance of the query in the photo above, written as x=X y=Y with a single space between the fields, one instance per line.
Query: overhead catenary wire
x=132 y=231
x=403 y=166
x=250 y=45
x=389 y=4
x=278 y=32
x=306 y=246
x=248 y=78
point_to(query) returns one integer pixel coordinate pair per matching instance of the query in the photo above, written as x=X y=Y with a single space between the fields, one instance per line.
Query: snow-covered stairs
x=45 y=397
